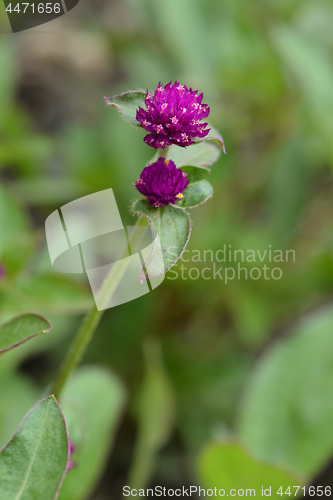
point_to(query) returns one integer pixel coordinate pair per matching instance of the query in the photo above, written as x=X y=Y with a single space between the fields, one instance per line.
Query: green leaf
x=199 y=189
x=62 y=325
x=172 y=225
x=127 y=104
x=21 y=329
x=213 y=136
x=50 y=293
x=196 y=193
x=288 y=409
x=93 y=402
x=195 y=174
x=156 y=412
x=202 y=154
x=33 y=463
x=228 y=466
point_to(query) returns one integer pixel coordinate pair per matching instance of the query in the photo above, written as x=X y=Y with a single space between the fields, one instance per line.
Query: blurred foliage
x=92 y=402
x=226 y=465
x=155 y=409
x=288 y=408
x=265 y=69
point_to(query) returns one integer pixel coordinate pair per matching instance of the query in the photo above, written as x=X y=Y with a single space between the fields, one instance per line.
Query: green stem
x=93 y=317
x=163 y=153
x=142 y=465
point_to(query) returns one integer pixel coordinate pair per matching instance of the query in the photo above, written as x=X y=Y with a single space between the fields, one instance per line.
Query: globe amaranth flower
x=173 y=116
x=162 y=183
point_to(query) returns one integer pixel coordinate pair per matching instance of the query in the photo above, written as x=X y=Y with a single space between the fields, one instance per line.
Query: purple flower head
x=173 y=116
x=162 y=183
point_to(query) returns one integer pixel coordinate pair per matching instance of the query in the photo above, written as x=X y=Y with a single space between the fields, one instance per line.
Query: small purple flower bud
x=162 y=183
x=173 y=116
x=71 y=465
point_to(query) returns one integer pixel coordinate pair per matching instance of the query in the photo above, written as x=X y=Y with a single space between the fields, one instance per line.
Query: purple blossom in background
x=2 y=271
x=71 y=464
x=173 y=116
x=162 y=183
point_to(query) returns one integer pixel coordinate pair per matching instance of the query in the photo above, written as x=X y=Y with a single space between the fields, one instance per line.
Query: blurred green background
x=250 y=360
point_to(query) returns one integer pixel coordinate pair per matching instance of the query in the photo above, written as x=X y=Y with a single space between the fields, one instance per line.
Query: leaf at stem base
x=34 y=462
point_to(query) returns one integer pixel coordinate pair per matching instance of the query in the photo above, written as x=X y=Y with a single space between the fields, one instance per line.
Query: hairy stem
x=163 y=153
x=93 y=317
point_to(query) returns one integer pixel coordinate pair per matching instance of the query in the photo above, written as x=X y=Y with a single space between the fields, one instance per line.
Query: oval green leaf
x=196 y=193
x=172 y=225
x=51 y=293
x=21 y=329
x=287 y=413
x=195 y=174
x=93 y=402
x=33 y=463
x=127 y=104
x=228 y=466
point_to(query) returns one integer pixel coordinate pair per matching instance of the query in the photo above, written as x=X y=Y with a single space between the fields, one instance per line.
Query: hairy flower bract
x=162 y=183
x=173 y=116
